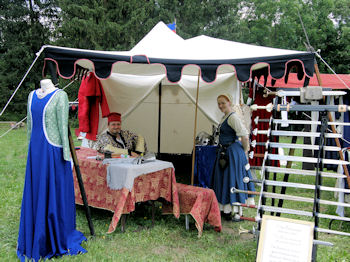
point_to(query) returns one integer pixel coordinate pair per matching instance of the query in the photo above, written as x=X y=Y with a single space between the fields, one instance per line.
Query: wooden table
x=146 y=187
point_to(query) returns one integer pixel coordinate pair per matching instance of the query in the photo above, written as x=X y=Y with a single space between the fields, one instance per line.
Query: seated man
x=118 y=140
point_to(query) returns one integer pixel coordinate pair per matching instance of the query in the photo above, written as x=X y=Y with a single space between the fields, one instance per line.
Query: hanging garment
x=224 y=178
x=346 y=132
x=47 y=223
x=259 y=99
x=204 y=164
x=91 y=96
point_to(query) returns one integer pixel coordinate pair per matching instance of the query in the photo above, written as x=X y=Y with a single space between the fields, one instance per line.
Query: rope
x=310 y=48
x=18 y=123
x=37 y=56
x=341 y=80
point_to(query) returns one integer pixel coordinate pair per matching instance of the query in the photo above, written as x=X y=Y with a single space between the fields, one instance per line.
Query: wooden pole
x=195 y=130
x=346 y=171
x=159 y=116
x=80 y=181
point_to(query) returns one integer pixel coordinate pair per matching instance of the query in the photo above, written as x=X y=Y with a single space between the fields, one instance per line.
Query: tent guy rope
x=18 y=123
x=341 y=80
x=24 y=77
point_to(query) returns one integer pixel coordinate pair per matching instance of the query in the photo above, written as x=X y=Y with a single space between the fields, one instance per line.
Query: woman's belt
x=227 y=145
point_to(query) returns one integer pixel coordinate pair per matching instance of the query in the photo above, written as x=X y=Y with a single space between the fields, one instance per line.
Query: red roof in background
x=328 y=80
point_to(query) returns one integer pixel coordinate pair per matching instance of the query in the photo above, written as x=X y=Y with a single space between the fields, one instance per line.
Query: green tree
x=25 y=26
x=119 y=24
x=105 y=25
x=277 y=24
x=196 y=17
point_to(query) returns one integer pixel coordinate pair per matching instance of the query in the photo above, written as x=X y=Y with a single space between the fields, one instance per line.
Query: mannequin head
x=46 y=85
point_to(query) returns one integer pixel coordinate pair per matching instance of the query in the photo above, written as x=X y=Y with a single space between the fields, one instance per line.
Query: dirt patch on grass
x=179 y=251
x=159 y=250
x=164 y=249
x=233 y=229
x=229 y=230
x=229 y=227
x=246 y=236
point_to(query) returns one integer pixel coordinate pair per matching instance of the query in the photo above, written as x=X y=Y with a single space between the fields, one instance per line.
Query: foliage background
x=118 y=25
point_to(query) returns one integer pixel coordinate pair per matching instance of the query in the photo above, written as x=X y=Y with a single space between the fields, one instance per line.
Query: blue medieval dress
x=224 y=178
x=47 y=223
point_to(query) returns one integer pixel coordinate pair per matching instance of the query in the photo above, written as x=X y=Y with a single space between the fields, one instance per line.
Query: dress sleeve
x=236 y=123
x=29 y=116
x=62 y=119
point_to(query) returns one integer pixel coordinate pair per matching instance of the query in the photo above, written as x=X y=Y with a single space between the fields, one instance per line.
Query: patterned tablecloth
x=201 y=204
x=146 y=187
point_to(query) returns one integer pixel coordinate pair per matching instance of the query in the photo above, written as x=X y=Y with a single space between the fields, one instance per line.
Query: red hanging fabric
x=260 y=100
x=91 y=96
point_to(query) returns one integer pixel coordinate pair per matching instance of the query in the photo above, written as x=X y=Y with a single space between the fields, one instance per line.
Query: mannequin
x=48 y=221
x=46 y=87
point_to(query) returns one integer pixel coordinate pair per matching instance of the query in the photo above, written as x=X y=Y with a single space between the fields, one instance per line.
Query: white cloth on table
x=122 y=174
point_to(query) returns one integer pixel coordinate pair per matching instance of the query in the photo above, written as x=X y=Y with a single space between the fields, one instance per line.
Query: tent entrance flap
x=177 y=116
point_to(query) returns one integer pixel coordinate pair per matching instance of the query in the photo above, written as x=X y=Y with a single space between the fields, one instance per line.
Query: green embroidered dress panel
x=56 y=121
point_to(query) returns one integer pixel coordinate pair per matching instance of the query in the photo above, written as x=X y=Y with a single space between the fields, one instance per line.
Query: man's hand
x=133 y=154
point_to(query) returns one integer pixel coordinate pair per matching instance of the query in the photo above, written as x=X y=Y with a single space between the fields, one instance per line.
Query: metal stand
x=318 y=179
x=318 y=173
x=187 y=222
x=286 y=175
x=273 y=139
x=122 y=221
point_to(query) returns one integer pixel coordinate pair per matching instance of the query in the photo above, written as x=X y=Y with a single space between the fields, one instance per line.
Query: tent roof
x=328 y=80
x=161 y=42
x=168 y=53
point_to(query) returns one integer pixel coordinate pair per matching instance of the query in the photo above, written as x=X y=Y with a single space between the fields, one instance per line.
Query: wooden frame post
x=195 y=131
x=346 y=171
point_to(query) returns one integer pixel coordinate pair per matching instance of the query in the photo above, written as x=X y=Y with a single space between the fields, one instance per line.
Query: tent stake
x=195 y=130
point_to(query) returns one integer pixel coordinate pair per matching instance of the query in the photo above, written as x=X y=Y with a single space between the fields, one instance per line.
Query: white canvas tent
x=131 y=80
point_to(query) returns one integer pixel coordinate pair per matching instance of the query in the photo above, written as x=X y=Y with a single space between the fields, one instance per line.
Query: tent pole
x=346 y=171
x=195 y=130
x=81 y=183
x=159 y=115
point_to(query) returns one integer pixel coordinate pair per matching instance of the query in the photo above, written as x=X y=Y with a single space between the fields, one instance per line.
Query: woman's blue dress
x=47 y=223
x=232 y=176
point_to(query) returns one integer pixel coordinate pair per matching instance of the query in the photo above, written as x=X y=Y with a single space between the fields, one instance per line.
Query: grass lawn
x=166 y=241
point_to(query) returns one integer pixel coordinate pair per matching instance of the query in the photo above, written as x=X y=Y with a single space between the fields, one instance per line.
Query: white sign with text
x=285 y=240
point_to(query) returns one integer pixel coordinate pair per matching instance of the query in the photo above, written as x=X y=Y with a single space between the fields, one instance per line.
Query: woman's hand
x=245 y=143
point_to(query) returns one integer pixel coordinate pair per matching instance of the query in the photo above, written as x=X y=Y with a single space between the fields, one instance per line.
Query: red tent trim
x=328 y=80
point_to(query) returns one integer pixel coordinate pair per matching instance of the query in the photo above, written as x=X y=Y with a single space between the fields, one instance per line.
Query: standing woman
x=231 y=164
